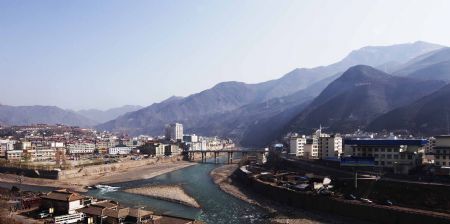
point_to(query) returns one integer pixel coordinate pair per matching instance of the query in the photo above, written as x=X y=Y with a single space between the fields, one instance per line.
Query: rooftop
x=390 y=142
x=63 y=195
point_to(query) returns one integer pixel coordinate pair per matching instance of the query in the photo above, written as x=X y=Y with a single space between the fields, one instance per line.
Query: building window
x=389 y=156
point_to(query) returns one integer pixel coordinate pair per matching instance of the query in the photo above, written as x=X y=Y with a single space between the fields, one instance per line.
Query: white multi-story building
x=330 y=147
x=81 y=148
x=311 y=149
x=119 y=150
x=190 y=138
x=14 y=155
x=6 y=145
x=297 y=145
x=174 y=131
x=398 y=154
x=441 y=150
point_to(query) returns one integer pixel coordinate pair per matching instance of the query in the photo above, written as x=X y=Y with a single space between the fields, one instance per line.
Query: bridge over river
x=229 y=152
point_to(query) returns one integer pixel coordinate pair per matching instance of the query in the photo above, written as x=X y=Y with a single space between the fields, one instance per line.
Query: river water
x=216 y=205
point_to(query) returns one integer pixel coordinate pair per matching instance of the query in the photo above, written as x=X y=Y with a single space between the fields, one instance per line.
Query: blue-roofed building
x=398 y=155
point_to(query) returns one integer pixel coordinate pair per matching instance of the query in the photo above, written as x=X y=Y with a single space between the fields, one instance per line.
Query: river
x=216 y=205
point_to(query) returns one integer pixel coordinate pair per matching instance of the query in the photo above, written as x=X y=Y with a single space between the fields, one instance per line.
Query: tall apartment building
x=190 y=138
x=311 y=149
x=441 y=150
x=174 y=131
x=329 y=146
x=297 y=145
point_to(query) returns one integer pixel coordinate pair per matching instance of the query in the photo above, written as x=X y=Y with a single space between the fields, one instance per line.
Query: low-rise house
x=108 y=212
x=63 y=201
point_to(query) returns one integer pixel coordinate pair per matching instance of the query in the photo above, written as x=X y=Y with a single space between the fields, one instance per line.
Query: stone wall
x=368 y=212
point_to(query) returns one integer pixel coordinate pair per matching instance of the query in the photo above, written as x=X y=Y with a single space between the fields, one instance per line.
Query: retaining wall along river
x=368 y=212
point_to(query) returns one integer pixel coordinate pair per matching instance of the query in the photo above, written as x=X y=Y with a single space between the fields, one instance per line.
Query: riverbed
x=216 y=205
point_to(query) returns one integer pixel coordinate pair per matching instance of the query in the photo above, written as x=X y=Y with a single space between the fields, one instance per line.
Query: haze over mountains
x=26 y=115
x=101 y=116
x=361 y=94
x=368 y=89
x=255 y=114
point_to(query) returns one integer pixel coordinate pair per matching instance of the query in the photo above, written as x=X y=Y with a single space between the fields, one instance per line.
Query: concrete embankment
x=173 y=193
x=78 y=179
x=368 y=212
x=113 y=167
x=85 y=171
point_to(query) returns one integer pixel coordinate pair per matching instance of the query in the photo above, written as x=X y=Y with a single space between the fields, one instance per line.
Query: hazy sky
x=101 y=54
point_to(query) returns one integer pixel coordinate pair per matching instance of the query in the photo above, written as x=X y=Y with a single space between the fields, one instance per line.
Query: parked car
x=42 y=215
x=365 y=200
x=350 y=197
x=324 y=192
x=388 y=203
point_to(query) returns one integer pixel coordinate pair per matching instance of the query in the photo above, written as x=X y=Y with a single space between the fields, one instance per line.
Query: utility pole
x=356 y=178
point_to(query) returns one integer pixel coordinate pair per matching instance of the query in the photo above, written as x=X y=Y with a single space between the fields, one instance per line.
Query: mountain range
x=358 y=96
x=26 y=115
x=374 y=88
x=255 y=114
x=101 y=116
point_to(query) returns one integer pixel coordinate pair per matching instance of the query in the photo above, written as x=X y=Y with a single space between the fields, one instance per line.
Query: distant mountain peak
x=359 y=72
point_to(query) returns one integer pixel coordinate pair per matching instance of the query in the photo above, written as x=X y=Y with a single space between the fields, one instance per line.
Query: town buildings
x=81 y=148
x=399 y=155
x=330 y=146
x=119 y=150
x=69 y=207
x=297 y=145
x=62 y=202
x=174 y=131
x=319 y=146
x=441 y=150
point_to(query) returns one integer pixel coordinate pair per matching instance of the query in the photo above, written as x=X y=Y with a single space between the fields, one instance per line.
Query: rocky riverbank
x=119 y=175
x=174 y=193
x=280 y=213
